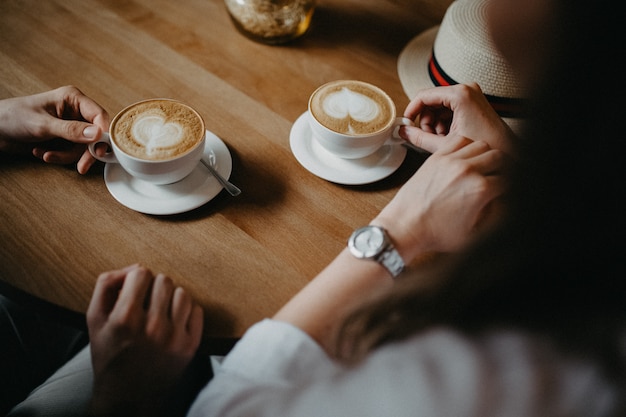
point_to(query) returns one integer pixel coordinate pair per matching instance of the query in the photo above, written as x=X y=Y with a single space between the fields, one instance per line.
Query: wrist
x=410 y=242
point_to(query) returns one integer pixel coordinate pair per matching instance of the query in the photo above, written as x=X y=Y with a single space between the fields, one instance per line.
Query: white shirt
x=278 y=370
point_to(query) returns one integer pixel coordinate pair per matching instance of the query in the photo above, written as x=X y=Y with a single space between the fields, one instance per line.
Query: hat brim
x=413 y=62
x=413 y=68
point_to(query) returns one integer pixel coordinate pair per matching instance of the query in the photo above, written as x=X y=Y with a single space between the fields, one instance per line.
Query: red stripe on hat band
x=435 y=74
x=504 y=106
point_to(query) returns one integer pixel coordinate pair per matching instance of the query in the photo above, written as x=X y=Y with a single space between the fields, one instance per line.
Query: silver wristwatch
x=372 y=242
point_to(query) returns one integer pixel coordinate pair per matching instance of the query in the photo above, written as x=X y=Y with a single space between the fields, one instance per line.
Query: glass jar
x=271 y=21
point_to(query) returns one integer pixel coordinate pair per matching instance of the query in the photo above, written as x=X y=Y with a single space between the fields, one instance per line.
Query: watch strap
x=391 y=259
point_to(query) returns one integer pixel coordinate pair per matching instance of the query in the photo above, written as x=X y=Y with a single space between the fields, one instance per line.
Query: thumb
x=429 y=142
x=74 y=130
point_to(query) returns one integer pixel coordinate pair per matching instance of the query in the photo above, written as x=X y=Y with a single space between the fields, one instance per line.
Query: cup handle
x=107 y=157
x=395 y=138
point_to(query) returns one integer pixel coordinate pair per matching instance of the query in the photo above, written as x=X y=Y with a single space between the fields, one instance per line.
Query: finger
x=38 y=152
x=415 y=108
x=77 y=153
x=430 y=142
x=442 y=126
x=135 y=293
x=195 y=325
x=437 y=122
x=73 y=130
x=161 y=297
x=181 y=306
x=83 y=108
x=187 y=317
x=436 y=97
x=93 y=112
x=60 y=157
x=106 y=292
x=85 y=162
x=427 y=121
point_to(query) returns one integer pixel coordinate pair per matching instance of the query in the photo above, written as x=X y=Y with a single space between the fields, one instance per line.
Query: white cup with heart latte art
x=159 y=140
x=353 y=119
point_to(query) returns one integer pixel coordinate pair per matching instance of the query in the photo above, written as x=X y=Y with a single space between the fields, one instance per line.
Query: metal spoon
x=230 y=187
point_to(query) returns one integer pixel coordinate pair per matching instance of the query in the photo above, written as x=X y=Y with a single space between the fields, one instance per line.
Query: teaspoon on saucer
x=230 y=187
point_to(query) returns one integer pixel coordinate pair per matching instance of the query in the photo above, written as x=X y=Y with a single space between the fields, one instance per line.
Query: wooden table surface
x=241 y=257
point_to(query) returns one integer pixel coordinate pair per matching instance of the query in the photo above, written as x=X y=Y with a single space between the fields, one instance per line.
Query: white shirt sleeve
x=278 y=370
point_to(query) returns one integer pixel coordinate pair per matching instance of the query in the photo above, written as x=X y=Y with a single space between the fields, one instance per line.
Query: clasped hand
x=144 y=332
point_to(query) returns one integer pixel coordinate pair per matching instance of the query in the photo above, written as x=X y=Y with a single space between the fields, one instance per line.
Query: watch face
x=369 y=242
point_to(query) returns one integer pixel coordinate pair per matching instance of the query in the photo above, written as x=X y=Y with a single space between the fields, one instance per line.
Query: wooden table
x=241 y=257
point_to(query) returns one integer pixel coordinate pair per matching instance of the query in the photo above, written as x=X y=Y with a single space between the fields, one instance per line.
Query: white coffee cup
x=353 y=119
x=159 y=140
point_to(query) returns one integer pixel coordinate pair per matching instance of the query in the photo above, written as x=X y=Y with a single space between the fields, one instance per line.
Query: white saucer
x=326 y=165
x=196 y=189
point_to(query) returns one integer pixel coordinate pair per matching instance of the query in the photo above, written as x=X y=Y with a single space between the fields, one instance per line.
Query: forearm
x=319 y=307
x=346 y=281
x=6 y=123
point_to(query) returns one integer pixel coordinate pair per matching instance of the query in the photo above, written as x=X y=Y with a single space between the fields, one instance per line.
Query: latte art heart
x=352 y=107
x=153 y=132
x=157 y=129
x=347 y=103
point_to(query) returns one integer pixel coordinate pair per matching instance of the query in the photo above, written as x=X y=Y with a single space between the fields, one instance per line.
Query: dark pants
x=32 y=347
x=37 y=339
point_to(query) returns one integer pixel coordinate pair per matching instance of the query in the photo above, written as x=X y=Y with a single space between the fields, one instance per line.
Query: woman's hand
x=445 y=112
x=54 y=126
x=144 y=331
x=446 y=199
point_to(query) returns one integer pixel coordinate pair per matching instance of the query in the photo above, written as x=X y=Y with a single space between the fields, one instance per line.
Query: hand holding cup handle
x=109 y=156
x=395 y=138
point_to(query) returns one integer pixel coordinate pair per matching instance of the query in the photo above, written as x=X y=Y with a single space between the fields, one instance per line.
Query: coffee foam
x=351 y=108
x=157 y=130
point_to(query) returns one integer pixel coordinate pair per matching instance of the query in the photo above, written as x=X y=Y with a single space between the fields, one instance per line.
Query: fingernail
x=90 y=132
x=402 y=132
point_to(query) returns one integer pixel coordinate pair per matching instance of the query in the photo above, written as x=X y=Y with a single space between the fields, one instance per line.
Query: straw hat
x=460 y=51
